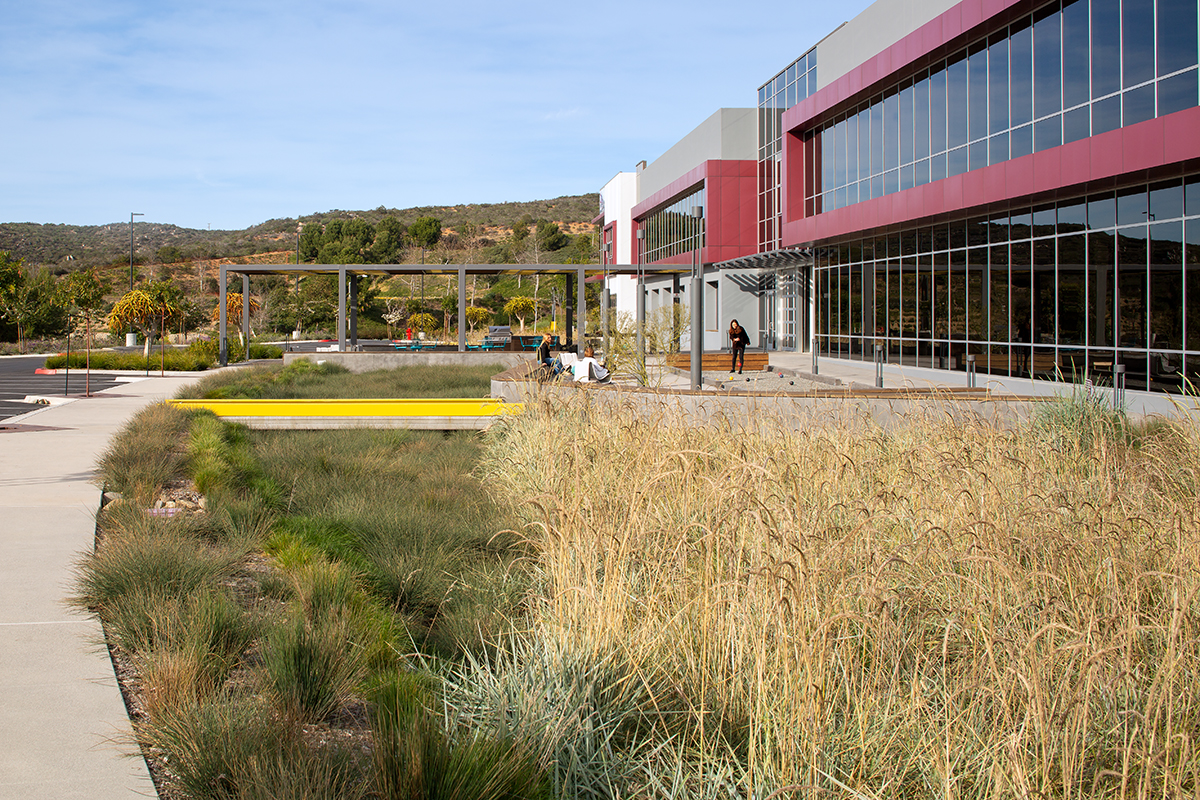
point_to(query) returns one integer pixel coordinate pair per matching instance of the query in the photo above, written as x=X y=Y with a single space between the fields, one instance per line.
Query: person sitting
x=589 y=369
x=543 y=351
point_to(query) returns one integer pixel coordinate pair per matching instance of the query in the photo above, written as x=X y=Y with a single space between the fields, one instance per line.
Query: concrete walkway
x=64 y=732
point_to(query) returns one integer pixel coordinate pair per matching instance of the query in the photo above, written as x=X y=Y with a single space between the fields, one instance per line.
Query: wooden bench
x=756 y=361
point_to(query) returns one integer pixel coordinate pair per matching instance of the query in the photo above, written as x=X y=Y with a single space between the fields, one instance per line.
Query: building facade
x=1013 y=180
x=693 y=207
x=1017 y=181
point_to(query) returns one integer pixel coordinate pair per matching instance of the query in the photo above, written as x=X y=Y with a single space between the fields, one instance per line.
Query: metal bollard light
x=1118 y=387
x=880 y=357
x=971 y=370
x=814 y=352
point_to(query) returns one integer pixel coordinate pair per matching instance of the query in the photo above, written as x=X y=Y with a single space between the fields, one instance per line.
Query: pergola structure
x=348 y=289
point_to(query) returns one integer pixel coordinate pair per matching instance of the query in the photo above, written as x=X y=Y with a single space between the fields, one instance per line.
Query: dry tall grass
x=945 y=609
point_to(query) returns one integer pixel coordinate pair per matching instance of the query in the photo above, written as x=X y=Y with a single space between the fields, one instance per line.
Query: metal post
x=1119 y=387
x=814 y=351
x=352 y=309
x=879 y=358
x=697 y=366
x=568 y=312
x=341 y=331
x=131 y=216
x=604 y=315
x=697 y=305
x=640 y=302
x=67 y=379
x=222 y=332
x=582 y=310
x=246 y=315
x=462 y=309
x=970 y=370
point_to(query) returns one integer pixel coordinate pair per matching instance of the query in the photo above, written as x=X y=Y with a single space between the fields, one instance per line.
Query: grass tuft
x=142 y=554
x=415 y=757
x=310 y=666
x=227 y=747
x=145 y=453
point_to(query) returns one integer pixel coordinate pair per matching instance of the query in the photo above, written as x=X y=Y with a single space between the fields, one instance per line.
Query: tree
x=426 y=231
x=85 y=292
x=233 y=311
x=389 y=238
x=394 y=315
x=583 y=250
x=359 y=233
x=520 y=230
x=12 y=285
x=333 y=231
x=449 y=306
x=27 y=298
x=478 y=316
x=136 y=309
x=423 y=321
x=549 y=237
x=520 y=307
x=310 y=241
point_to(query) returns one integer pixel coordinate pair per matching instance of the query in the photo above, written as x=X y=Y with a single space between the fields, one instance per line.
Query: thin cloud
x=237 y=111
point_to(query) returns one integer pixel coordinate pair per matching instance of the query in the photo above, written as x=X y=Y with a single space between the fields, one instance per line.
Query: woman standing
x=738 y=339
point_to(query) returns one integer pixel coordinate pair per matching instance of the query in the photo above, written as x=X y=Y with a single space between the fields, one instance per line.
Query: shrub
x=210 y=350
x=370 y=329
x=149 y=618
x=171 y=360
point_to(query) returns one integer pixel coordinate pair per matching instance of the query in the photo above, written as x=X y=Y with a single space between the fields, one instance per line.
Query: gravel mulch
x=770 y=382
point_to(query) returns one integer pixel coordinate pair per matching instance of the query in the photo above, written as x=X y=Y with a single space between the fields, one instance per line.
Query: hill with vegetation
x=68 y=246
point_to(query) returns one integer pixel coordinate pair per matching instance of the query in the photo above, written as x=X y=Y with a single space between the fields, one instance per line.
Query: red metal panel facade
x=731 y=218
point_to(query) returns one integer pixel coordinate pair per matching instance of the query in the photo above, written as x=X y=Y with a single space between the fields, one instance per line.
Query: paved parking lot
x=17 y=381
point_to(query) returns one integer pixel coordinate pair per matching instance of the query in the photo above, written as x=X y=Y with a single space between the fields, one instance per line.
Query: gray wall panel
x=729 y=134
x=881 y=25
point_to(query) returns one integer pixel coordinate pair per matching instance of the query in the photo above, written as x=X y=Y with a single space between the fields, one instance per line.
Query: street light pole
x=132 y=214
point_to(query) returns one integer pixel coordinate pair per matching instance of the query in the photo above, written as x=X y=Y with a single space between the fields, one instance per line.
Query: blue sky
x=234 y=112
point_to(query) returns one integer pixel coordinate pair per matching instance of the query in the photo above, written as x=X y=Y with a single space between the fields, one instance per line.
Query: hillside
x=52 y=244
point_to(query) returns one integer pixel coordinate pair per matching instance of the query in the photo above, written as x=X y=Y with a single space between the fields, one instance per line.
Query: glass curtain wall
x=1070 y=70
x=1056 y=291
x=777 y=95
x=672 y=230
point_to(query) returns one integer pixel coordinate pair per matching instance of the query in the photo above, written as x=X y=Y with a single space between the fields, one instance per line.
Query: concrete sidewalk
x=64 y=731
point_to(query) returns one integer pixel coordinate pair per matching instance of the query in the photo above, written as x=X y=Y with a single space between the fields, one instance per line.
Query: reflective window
x=794 y=84
x=1058 y=290
x=1176 y=35
x=1047 y=62
x=1137 y=42
x=673 y=230
x=1075 y=56
x=1070 y=70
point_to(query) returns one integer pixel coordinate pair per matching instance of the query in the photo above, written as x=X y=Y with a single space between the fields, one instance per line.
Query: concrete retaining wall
x=368 y=362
